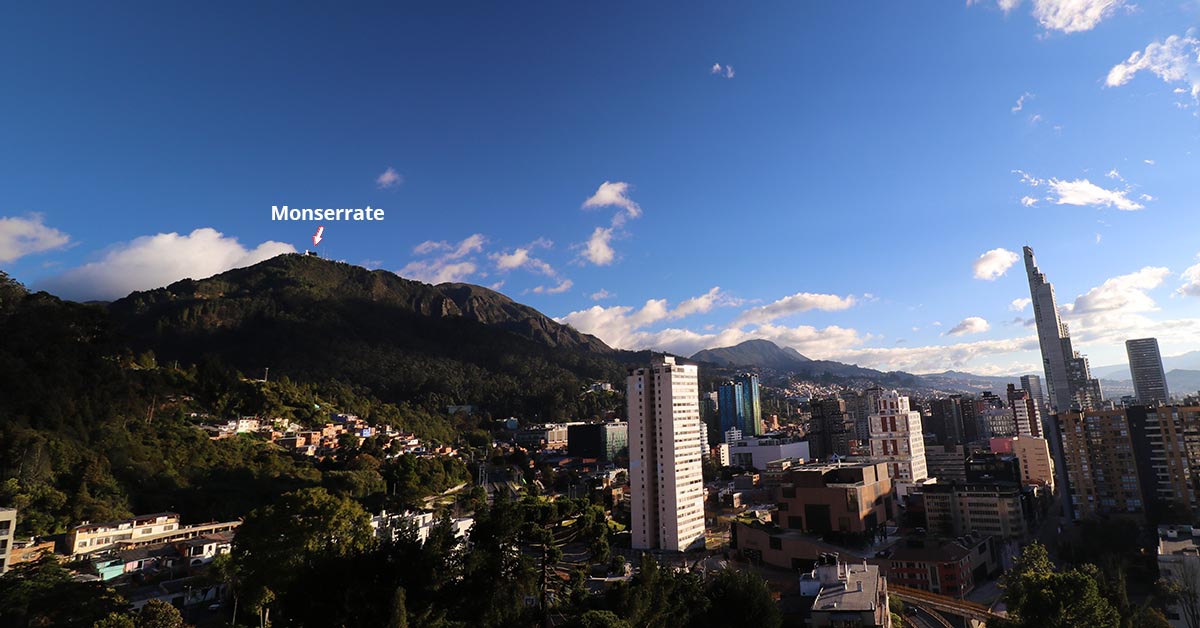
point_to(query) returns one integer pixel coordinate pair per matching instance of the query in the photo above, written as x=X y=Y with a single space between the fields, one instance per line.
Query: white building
x=8 y=527
x=757 y=452
x=666 y=442
x=1179 y=564
x=897 y=440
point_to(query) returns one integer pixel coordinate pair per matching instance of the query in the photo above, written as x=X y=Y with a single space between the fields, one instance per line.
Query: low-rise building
x=846 y=595
x=756 y=452
x=1179 y=564
x=993 y=509
x=949 y=566
x=94 y=538
x=602 y=441
x=8 y=530
x=849 y=498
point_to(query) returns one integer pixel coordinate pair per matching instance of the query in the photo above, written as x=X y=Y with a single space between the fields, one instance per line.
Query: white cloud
x=794 y=304
x=1021 y=102
x=1125 y=292
x=719 y=70
x=521 y=258
x=1114 y=174
x=562 y=286
x=1029 y=201
x=1008 y=5
x=614 y=194
x=1191 y=281
x=158 y=260
x=1149 y=162
x=389 y=179
x=25 y=236
x=941 y=357
x=1082 y=192
x=1035 y=119
x=703 y=303
x=449 y=266
x=1175 y=59
x=1019 y=305
x=994 y=264
x=601 y=294
x=622 y=325
x=1073 y=16
x=969 y=325
x=598 y=249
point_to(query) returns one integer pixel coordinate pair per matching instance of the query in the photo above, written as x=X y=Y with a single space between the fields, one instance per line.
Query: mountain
x=760 y=353
x=969 y=382
x=314 y=320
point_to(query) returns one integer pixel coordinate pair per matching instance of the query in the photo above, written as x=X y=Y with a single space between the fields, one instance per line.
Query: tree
x=1183 y=582
x=159 y=614
x=1040 y=597
x=740 y=598
x=42 y=593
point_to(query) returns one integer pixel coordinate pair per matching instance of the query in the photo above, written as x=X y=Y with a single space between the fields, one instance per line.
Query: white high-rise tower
x=666 y=441
x=1068 y=377
x=897 y=440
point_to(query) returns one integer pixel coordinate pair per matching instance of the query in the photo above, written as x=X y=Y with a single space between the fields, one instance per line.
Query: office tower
x=1102 y=469
x=731 y=407
x=896 y=439
x=1025 y=411
x=946 y=420
x=710 y=417
x=1067 y=374
x=1032 y=384
x=1145 y=365
x=602 y=441
x=751 y=406
x=833 y=428
x=666 y=441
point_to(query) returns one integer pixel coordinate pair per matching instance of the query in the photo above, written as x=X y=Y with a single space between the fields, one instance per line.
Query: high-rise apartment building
x=1025 y=411
x=666 y=441
x=896 y=439
x=1146 y=368
x=1067 y=374
x=832 y=428
x=1102 y=468
x=946 y=420
x=1032 y=384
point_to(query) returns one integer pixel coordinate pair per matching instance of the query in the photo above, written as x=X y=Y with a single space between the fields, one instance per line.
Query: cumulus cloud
x=969 y=325
x=794 y=304
x=1124 y=292
x=703 y=303
x=1191 y=281
x=562 y=286
x=21 y=236
x=451 y=264
x=933 y=358
x=158 y=260
x=614 y=194
x=1019 y=305
x=389 y=179
x=598 y=249
x=622 y=325
x=521 y=258
x=601 y=294
x=1079 y=192
x=994 y=264
x=1073 y=16
x=1175 y=59
x=1029 y=201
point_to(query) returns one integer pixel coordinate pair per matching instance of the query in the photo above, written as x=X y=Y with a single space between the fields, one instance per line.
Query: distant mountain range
x=764 y=354
x=1188 y=361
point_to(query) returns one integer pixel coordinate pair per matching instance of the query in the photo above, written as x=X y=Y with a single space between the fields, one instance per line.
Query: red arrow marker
x=317 y=235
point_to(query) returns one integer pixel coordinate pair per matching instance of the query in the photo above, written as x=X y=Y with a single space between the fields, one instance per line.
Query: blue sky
x=825 y=175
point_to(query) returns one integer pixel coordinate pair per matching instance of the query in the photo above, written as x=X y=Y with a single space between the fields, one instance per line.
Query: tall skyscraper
x=896 y=439
x=1033 y=385
x=666 y=441
x=1067 y=374
x=731 y=407
x=752 y=407
x=1146 y=367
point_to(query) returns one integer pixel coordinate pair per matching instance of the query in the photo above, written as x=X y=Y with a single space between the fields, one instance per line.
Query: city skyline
x=884 y=165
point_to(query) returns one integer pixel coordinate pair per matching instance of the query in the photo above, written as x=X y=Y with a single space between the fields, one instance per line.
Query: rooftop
x=858 y=592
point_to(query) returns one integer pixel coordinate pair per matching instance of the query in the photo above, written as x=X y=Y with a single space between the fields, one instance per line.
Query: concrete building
x=1032 y=384
x=1102 y=469
x=1026 y=415
x=90 y=538
x=988 y=467
x=947 y=463
x=833 y=429
x=946 y=421
x=989 y=509
x=549 y=436
x=8 y=530
x=1067 y=373
x=602 y=441
x=1146 y=368
x=897 y=440
x=757 y=452
x=847 y=595
x=1037 y=467
x=949 y=566
x=666 y=442
x=853 y=499
x=1168 y=451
